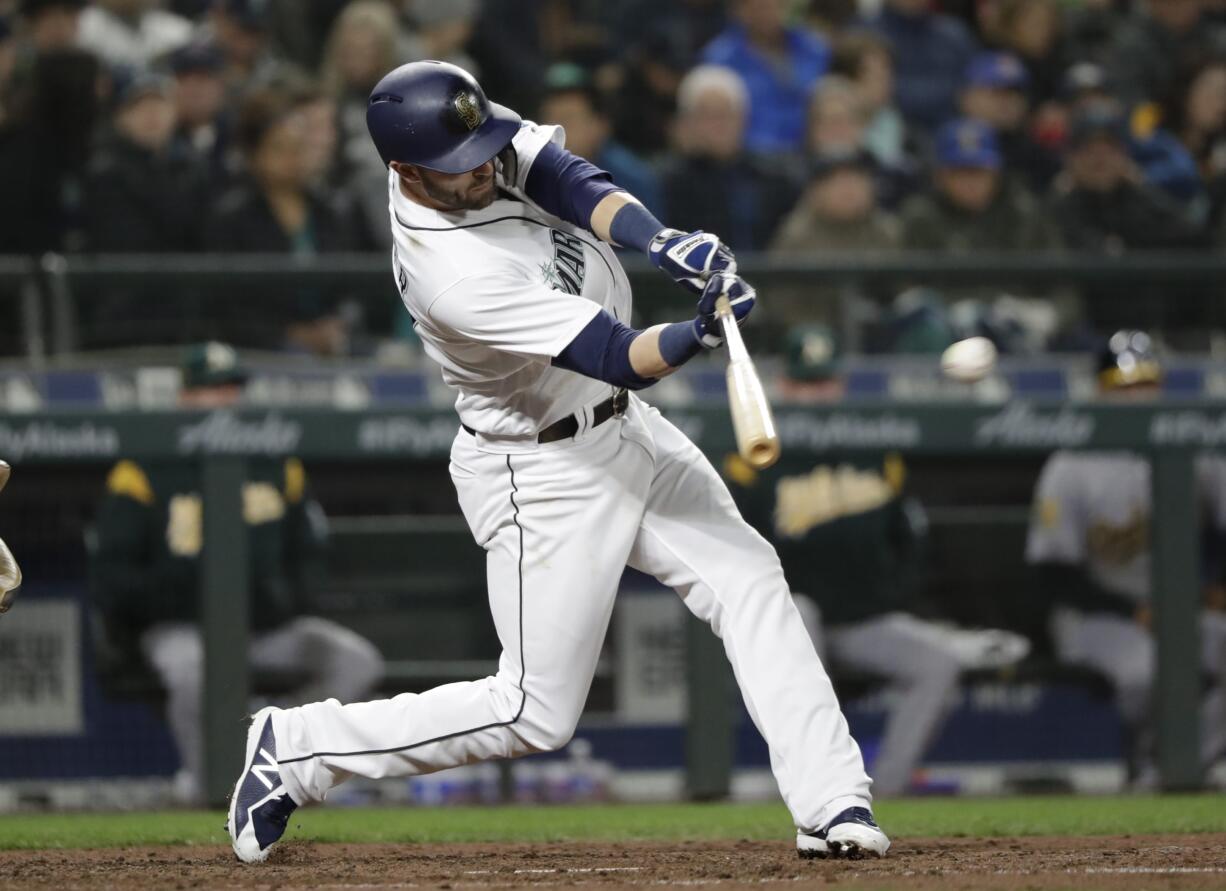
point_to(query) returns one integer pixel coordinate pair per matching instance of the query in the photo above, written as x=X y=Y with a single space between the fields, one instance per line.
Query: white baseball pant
x=559 y=522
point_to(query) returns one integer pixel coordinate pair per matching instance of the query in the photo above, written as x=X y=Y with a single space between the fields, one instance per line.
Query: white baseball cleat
x=852 y=835
x=259 y=806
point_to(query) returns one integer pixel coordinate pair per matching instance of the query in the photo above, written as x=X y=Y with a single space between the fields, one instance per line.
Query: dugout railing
x=52 y=299
x=1170 y=432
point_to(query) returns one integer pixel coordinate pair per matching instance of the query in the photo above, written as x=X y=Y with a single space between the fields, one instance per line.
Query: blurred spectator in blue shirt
x=712 y=183
x=931 y=52
x=779 y=65
x=995 y=92
x=572 y=101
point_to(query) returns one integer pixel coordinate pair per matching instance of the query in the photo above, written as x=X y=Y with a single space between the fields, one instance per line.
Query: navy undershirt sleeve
x=566 y=185
x=602 y=351
x=634 y=227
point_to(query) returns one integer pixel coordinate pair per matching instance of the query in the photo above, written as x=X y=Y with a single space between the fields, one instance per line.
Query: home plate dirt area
x=1130 y=861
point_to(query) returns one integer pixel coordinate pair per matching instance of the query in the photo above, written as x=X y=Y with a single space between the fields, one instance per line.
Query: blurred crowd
x=797 y=128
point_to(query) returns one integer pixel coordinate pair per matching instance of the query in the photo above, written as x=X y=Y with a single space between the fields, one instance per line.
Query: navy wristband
x=679 y=343
x=633 y=226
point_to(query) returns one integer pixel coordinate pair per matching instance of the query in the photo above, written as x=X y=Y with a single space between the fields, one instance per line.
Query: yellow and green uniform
x=850 y=541
x=841 y=529
x=150 y=535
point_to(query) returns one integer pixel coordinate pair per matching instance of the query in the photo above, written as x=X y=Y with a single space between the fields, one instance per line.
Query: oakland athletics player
x=852 y=541
x=1089 y=538
x=563 y=477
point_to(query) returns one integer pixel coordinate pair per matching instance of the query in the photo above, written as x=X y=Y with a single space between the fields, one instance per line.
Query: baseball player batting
x=501 y=252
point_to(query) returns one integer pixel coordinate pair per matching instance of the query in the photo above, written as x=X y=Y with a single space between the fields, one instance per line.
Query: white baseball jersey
x=496 y=293
x=1093 y=509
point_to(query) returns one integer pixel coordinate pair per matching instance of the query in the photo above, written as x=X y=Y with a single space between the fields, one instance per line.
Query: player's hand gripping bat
x=10 y=572
x=752 y=420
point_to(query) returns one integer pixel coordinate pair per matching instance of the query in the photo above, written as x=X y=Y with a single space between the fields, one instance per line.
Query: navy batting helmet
x=436 y=116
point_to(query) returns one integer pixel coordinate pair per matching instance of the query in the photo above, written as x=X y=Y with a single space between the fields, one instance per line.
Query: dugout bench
x=1170 y=432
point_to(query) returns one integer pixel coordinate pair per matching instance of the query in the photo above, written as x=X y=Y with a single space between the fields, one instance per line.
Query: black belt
x=613 y=407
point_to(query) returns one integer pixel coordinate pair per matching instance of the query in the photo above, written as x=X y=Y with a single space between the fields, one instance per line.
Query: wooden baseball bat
x=752 y=420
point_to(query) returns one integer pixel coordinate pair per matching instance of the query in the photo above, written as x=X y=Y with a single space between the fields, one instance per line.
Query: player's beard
x=475 y=196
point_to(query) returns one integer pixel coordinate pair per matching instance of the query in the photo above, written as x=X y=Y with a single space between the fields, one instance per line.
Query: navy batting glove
x=690 y=258
x=741 y=296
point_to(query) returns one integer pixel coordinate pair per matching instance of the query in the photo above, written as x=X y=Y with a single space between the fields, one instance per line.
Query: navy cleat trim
x=260 y=806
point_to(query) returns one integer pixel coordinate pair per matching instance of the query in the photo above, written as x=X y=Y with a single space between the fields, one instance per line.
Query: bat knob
x=762 y=454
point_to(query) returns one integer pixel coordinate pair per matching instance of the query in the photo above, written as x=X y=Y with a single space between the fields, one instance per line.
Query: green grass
x=1039 y=815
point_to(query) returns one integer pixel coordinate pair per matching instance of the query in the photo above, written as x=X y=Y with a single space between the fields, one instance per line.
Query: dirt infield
x=1168 y=861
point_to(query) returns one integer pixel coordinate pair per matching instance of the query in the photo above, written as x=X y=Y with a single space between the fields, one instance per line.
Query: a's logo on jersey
x=825 y=494
x=466 y=107
x=565 y=271
x=1119 y=545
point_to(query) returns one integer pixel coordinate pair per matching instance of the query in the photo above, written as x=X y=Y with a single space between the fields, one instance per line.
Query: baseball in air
x=969 y=360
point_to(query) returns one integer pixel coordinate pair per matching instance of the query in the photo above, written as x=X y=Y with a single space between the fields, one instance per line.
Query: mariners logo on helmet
x=436 y=116
x=466 y=108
